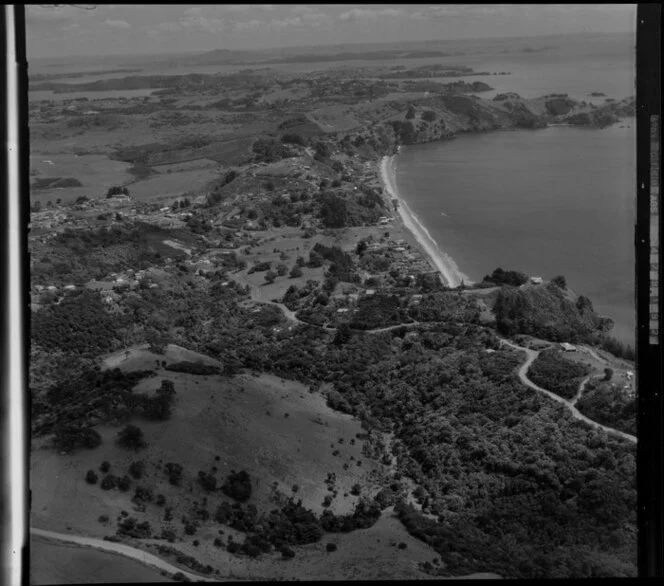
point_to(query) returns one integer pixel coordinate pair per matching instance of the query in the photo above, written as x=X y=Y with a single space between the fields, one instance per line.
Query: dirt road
x=122 y=549
x=523 y=370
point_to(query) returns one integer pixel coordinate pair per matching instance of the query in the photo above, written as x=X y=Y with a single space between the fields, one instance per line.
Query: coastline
x=439 y=260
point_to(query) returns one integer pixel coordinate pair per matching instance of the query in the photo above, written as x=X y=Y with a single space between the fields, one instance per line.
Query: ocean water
x=560 y=200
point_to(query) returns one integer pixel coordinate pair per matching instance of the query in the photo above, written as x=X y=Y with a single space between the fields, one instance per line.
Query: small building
x=536 y=280
x=342 y=310
x=567 y=347
x=629 y=374
x=370 y=292
x=69 y=287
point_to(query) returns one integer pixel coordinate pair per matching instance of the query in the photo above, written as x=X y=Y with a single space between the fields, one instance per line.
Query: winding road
x=523 y=370
x=120 y=548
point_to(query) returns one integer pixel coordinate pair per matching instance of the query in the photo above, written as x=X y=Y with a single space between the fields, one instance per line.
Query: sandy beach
x=442 y=262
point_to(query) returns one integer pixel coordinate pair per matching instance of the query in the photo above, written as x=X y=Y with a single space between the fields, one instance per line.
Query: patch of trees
x=404 y=131
x=269 y=150
x=608 y=405
x=552 y=371
x=260 y=267
x=333 y=211
x=342 y=265
x=132 y=528
x=237 y=486
x=131 y=437
x=78 y=324
x=117 y=190
x=617 y=348
x=174 y=473
x=293 y=138
x=71 y=437
x=445 y=306
x=503 y=277
x=544 y=312
x=379 y=311
x=365 y=515
x=193 y=368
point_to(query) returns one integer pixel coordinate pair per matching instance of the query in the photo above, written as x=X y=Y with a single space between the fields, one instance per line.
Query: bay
x=560 y=200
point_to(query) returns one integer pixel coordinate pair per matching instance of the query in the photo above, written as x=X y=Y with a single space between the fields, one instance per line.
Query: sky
x=124 y=29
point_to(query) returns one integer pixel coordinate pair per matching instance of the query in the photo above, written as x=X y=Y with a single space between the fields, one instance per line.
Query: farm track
x=531 y=356
x=120 y=548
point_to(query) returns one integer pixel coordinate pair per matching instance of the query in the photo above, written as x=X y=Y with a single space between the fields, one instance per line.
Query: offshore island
x=250 y=359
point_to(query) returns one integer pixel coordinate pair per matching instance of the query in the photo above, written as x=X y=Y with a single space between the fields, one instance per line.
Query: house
x=536 y=280
x=567 y=347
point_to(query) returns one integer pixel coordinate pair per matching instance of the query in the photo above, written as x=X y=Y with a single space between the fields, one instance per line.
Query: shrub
x=402 y=545
x=356 y=489
x=131 y=437
x=331 y=547
x=190 y=528
x=237 y=486
x=136 y=469
x=105 y=466
x=287 y=552
x=71 y=437
x=270 y=276
x=295 y=272
x=282 y=270
x=109 y=482
x=560 y=282
x=174 y=472
x=103 y=519
x=91 y=477
x=124 y=483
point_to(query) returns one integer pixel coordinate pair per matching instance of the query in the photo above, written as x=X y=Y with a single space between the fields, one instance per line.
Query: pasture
x=61 y=563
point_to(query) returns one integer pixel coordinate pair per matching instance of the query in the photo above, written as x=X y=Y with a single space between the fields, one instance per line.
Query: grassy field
x=59 y=563
x=96 y=173
x=216 y=416
x=213 y=416
x=171 y=184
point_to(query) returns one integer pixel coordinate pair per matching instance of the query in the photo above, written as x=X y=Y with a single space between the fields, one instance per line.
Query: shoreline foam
x=441 y=261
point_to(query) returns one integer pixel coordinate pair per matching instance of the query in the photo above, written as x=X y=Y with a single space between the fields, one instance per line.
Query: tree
x=131 y=437
x=105 y=466
x=410 y=113
x=429 y=115
x=560 y=282
x=237 y=486
x=315 y=260
x=109 y=482
x=117 y=190
x=295 y=272
x=136 y=469
x=167 y=388
x=91 y=477
x=282 y=269
x=270 y=276
x=36 y=207
x=608 y=374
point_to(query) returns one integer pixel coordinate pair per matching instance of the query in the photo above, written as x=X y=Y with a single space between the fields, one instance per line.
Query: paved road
x=531 y=356
x=122 y=549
